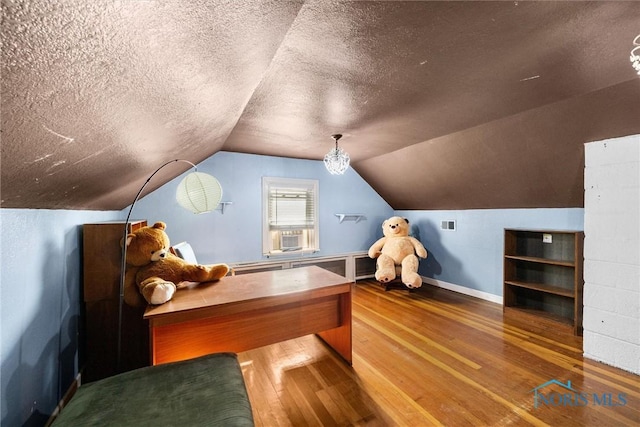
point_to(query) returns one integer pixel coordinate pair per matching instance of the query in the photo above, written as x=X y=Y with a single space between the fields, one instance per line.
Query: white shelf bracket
x=222 y=205
x=350 y=217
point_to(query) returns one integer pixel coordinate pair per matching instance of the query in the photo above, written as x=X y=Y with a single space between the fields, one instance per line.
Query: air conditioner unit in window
x=290 y=240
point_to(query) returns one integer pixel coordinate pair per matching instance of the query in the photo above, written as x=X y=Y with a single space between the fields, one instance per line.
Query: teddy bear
x=397 y=249
x=153 y=273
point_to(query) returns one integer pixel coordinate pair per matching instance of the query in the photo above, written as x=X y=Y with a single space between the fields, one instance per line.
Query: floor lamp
x=197 y=192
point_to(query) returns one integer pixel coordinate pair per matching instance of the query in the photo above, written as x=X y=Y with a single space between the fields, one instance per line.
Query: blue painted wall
x=40 y=280
x=472 y=255
x=236 y=235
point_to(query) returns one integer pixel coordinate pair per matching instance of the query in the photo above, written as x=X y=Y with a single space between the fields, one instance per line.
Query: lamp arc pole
x=123 y=262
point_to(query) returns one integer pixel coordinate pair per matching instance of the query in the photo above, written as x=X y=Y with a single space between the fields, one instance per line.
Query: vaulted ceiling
x=443 y=105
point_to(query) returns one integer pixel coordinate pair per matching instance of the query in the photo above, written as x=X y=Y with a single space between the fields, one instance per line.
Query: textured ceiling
x=443 y=105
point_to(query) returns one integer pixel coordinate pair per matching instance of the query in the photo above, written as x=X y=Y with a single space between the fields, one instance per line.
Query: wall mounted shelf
x=350 y=217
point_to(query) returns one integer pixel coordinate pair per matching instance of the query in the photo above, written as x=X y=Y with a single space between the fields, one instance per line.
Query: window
x=290 y=212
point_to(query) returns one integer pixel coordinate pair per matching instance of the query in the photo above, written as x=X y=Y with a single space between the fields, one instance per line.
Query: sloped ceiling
x=443 y=105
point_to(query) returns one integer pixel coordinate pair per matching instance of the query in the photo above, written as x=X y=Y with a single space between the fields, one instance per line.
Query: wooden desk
x=252 y=310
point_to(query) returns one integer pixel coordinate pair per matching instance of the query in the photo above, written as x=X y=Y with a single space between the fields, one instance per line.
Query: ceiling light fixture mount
x=337 y=160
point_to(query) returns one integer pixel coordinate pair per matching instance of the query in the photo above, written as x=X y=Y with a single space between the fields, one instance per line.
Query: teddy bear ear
x=406 y=220
x=161 y=225
x=129 y=239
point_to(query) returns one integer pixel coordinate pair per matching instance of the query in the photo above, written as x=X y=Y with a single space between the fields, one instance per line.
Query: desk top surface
x=290 y=284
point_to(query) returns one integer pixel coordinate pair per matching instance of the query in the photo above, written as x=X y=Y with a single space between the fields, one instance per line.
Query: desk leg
x=340 y=338
x=152 y=349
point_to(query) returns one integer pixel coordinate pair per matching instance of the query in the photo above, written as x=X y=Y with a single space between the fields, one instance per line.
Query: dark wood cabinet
x=543 y=277
x=101 y=289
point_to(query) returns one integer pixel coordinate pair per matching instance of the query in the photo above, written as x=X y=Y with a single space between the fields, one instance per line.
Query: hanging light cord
x=123 y=263
x=336 y=137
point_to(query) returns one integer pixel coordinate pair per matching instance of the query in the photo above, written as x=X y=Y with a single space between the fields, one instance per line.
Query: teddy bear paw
x=414 y=285
x=384 y=277
x=162 y=293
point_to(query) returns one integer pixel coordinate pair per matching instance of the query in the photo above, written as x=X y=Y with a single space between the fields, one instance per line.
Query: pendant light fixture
x=635 y=54
x=337 y=160
x=199 y=192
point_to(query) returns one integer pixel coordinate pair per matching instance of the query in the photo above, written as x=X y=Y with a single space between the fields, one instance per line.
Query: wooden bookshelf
x=102 y=257
x=543 y=279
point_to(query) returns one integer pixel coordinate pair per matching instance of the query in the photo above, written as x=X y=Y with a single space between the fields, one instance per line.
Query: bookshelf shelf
x=543 y=277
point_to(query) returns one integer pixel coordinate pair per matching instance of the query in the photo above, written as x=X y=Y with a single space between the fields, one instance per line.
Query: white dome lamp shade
x=199 y=192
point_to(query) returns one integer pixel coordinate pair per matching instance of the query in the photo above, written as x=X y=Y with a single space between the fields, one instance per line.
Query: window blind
x=290 y=208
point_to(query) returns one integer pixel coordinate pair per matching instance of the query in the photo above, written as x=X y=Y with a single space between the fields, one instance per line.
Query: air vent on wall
x=448 y=225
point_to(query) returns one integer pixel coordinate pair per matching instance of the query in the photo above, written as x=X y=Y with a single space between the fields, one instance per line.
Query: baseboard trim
x=65 y=399
x=464 y=290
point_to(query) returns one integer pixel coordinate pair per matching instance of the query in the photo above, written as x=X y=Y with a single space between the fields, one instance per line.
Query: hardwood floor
x=434 y=357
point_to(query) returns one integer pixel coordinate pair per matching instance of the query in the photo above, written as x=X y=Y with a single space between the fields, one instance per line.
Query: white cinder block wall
x=612 y=252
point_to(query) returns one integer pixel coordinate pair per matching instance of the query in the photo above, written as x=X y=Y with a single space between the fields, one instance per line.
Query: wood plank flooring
x=433 y=357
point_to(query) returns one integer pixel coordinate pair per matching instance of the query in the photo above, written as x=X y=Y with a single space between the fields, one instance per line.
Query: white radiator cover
x=354 y=266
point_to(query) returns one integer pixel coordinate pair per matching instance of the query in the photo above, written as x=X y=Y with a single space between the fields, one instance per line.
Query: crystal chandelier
x=635 y=55
x=337 y=160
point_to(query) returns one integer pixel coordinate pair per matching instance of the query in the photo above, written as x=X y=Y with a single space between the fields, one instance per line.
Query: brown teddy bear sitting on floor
x=153 y=272
x=397 y=248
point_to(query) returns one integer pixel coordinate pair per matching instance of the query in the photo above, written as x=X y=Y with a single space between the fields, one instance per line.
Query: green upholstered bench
x=205 y=391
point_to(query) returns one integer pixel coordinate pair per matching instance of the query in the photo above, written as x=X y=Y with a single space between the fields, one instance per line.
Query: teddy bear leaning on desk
x=153 y=272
